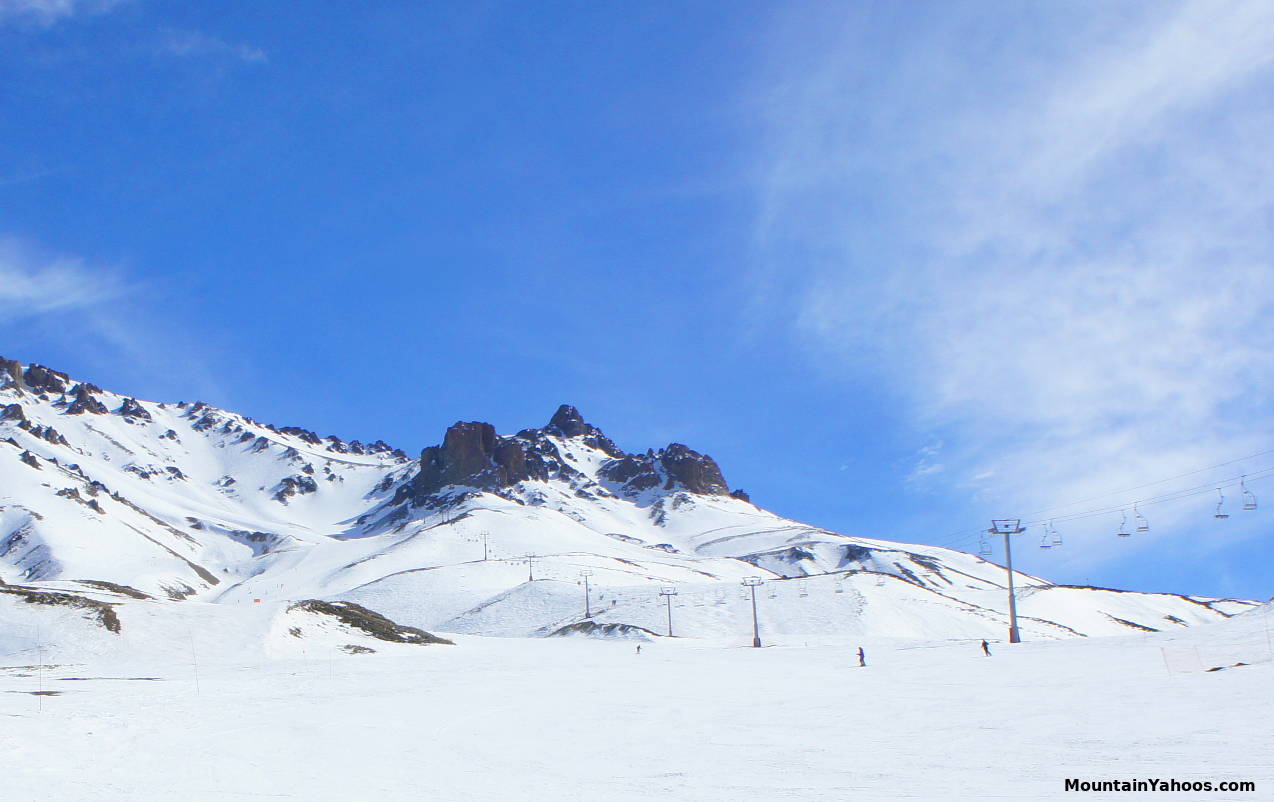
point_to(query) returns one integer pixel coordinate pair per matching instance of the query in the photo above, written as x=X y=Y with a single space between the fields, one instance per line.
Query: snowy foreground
x=580 y=719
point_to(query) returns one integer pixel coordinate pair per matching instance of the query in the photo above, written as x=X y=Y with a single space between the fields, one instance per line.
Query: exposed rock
x=696 y=472
x=44 y=380
x=83 y=400
x=608 y=631
x=13 y=412
x=101 y=613
x=10 y=374
x=676 y=467
x=303 y=434
x=473 y=455
x=632 y=472
x=45 y=433
x=123 y=590
x=568 y=422
x=741 y=495
x=290 y=486
x=369 y=621
x=30 y=459
x=132 y=409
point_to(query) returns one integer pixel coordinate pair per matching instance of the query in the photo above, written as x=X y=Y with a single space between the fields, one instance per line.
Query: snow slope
x=189 y=502
x=203 y=712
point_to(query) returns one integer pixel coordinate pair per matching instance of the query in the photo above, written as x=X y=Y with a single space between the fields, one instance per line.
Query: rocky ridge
x=473 y=455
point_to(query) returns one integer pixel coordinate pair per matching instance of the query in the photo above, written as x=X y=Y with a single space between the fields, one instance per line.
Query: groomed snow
x=230 y=716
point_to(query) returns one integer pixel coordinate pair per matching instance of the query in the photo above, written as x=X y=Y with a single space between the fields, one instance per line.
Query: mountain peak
x=569 y=422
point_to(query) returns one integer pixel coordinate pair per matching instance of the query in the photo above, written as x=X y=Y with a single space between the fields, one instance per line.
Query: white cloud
x=49 y=12
x=66 y=305
x=1061 y=254
x=184 y=43
x=32 y=284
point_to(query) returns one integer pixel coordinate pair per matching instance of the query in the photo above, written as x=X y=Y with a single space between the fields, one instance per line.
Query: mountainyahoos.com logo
x=1159 y=785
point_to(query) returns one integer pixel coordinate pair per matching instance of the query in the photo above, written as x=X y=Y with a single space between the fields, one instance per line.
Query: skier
x=862 y=658
x=986 y=649
x=639 y=648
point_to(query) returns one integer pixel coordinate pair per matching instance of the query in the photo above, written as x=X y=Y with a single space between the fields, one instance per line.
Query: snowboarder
x=862 y=658
x=986 y=649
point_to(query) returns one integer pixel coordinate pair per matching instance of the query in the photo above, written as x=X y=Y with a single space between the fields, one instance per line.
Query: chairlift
x=1046 y=542
x=1142 y=524
x=774 y=593
x=984 y=548
x=1249 y=498
x=1219 y=514
x=1123 y=524
x=840 y=586
x=1057 y=536
x=880 y=580
x=804 y=591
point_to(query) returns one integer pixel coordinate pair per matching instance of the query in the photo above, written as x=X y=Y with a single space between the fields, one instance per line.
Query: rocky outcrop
x=633 y=473
x=473 y=455
x=692 y=471
x=673 y=468
x=568 y=422
x=130 y=408
x=83 y=400
x=290 y=486
x=10 y=374
x=40 y=379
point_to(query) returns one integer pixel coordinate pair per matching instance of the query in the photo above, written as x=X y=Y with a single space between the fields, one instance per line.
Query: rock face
x=10 y=373
x=40 y=379
x=693 y=471
x=568 y=422
x=83 y=400
x=473 y=455
x=673 y=468
x=130 y=408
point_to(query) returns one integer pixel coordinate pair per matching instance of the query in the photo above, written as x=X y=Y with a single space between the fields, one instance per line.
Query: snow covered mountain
x=114 y=498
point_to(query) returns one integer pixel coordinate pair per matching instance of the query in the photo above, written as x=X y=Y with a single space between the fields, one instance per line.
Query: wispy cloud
x=32 y=284
x=49 y=12
x=96 y=314
x=196 y=44
x=1056 y=246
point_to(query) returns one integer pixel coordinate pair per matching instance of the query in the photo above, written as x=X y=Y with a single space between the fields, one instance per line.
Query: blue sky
x=900 y=267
